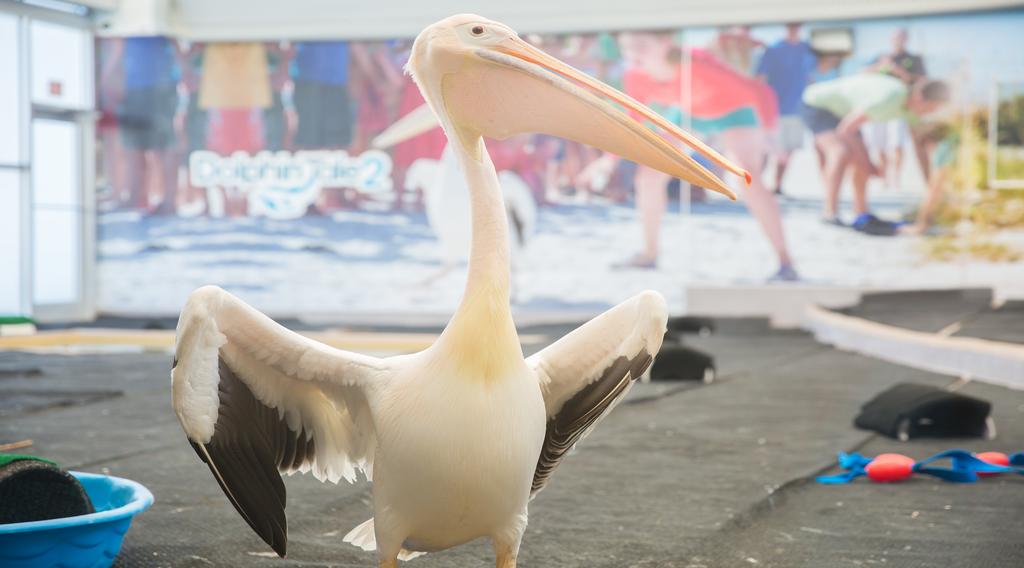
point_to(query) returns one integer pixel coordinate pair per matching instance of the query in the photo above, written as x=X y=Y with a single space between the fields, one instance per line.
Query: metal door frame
x=84 y=118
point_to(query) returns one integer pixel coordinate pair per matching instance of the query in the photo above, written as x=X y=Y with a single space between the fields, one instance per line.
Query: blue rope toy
x=965 y=467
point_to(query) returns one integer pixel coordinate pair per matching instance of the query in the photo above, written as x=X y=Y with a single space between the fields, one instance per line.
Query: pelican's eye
x=477 y=31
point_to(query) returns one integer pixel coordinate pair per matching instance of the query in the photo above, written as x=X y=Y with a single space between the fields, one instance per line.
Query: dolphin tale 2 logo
x=282 y=185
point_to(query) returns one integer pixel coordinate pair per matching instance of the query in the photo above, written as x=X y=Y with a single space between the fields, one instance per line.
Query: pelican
x=458 y=438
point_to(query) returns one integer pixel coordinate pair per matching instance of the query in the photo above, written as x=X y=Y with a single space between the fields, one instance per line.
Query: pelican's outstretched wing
x=257 y=400
x=586 y=372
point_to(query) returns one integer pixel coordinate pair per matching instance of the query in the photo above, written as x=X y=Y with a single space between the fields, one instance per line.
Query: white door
x=60 y=88
x=58 y=219
x=14 y=263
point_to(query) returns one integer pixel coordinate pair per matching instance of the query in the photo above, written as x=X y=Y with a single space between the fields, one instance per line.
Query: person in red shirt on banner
x=722 y=103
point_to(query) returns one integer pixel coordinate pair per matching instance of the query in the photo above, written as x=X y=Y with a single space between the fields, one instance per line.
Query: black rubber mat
x=708 y=476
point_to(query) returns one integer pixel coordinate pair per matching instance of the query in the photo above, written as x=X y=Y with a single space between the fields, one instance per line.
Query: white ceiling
x=99 y=4
x=352 y=19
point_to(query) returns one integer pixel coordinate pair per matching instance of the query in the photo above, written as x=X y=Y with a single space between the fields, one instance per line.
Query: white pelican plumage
x=459 y=437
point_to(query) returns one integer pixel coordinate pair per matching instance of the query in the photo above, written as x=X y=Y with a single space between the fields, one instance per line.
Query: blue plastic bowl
x=86 y=541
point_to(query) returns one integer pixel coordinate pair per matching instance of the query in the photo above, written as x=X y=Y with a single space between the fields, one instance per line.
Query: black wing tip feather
x=250 y=445
x=584 y=409
x=276 y=539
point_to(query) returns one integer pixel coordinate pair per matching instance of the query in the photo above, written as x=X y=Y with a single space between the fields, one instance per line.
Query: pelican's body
x=458 y=438
x=442 y=495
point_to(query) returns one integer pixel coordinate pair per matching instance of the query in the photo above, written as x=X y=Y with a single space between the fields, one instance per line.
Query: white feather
x=579 y=358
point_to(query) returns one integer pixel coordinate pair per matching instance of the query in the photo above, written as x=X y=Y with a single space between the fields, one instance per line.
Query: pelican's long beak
x=516 y=88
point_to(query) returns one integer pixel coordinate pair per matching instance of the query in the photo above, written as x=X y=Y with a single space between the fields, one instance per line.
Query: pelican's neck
x=489 y=246
x=482 y=331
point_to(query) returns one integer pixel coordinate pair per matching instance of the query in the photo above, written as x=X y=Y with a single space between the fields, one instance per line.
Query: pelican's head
x=481 y=79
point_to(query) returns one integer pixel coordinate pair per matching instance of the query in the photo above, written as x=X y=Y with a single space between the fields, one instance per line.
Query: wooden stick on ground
x=15 y=445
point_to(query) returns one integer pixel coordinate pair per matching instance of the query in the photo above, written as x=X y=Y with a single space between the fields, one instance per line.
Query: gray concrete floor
x=962 y=313
x=709 y=476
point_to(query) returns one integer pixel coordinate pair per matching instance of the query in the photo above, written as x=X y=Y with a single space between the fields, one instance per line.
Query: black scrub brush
x=34 y=489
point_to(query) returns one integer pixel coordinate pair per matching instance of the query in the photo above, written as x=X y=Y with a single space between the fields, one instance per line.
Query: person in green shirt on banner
x=835 y=111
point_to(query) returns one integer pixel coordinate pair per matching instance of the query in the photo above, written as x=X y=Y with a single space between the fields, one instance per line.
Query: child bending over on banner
x=941 y=142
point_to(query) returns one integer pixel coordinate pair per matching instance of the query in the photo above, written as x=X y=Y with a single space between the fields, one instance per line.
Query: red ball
x=994 y=458
x=890 y=467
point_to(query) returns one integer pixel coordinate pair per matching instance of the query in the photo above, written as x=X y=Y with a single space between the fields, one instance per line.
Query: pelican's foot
x=506 y=550
x=506 y=560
